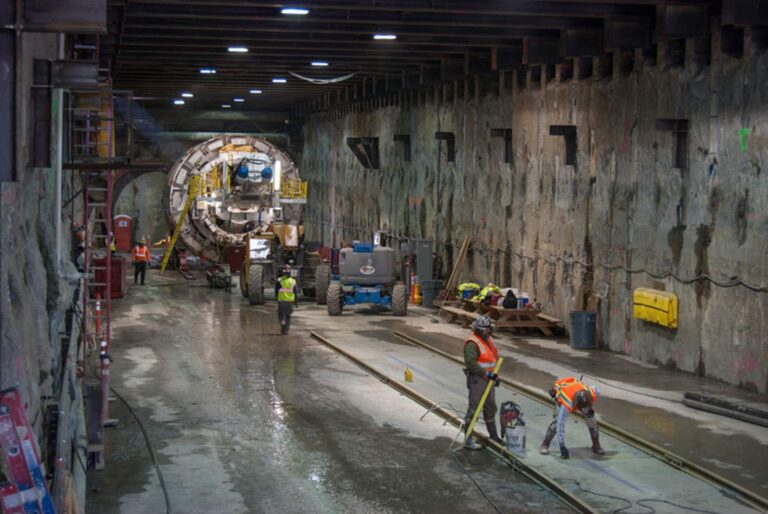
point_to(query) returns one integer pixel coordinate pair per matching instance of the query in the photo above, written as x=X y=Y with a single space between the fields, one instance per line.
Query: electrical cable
x=479 y=488
x=571 y=260
x=151 y=450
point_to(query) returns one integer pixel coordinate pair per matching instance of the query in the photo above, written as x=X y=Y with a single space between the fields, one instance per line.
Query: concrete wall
x=568 y=234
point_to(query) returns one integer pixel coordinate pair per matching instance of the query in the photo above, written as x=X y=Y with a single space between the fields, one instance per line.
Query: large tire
x=243 y=281
x=322 y=281
x=256 y=285
x=335 y=299
x=399 y=300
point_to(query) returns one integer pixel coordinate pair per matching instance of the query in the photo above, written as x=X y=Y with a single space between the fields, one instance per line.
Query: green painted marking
x=743 y=137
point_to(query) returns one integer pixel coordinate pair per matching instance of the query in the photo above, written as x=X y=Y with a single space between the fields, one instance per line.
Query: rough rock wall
x=35 y=297
x=145 y=199
x=586 y=234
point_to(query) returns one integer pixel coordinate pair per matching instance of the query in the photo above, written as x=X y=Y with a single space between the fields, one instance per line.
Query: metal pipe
x=58 y=136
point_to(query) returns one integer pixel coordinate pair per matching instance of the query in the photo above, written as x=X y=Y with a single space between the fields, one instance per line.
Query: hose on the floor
x=151 y=450
x=469 y=475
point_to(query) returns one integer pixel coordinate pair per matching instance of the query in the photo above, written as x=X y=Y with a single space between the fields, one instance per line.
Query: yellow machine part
x=294 y=189
x=288 y=235
x=655 y=306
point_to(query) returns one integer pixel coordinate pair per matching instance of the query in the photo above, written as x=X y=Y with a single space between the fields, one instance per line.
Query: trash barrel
x=583 y=330
x=429 y=289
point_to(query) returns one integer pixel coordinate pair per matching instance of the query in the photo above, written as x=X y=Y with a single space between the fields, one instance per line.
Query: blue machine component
x=266 y=173
x=362 y=247
x=367 y=294
x=242 y=171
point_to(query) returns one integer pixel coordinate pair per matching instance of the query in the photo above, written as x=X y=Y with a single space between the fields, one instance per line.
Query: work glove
x=564 y=453
x=490 y=375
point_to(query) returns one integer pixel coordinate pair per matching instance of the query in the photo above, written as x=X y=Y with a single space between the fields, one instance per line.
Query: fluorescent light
x=255 y=91
x=187 y=95
x=178 y=102
x=319 y=63
x=239 y=100
x=388 y=37
x=278 y=80
x=208 y=71
x=295 y=11
x=238 y=49
x=225 y=106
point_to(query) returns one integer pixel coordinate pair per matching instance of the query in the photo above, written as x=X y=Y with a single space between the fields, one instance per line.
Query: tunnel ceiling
x=156 y=48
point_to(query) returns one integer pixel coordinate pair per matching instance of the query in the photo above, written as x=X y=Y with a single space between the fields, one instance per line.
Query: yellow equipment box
x=655 y=306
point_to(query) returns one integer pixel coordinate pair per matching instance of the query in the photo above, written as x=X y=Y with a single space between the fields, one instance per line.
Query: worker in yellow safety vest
x=480 y=356
x=487 y=291
x=141 y=258
x=571 y=394
x=287 y=294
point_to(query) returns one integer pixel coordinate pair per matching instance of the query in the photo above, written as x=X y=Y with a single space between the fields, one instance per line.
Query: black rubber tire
x=322 y=281
x=399 y=300
x=243 y=281
x=256 y=285
x=335 y=299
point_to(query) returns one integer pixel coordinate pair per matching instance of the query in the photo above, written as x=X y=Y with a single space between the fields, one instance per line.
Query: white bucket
x=515 y=438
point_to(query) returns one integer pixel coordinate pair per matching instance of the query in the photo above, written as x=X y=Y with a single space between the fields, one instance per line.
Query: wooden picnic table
x=466 y=311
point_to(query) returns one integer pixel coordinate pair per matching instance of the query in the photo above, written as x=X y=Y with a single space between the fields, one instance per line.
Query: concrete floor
x=245 y=420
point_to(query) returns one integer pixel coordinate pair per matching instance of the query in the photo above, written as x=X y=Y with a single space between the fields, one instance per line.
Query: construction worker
x=287 y=295
x=571 y=394
x=480 y=357
x=141 y=257
x=487 y=292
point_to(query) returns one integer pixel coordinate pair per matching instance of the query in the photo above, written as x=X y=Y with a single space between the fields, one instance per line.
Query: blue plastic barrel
x=583 y=330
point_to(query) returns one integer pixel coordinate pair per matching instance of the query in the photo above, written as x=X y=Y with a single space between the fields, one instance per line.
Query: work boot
x=472 y=444
x=544 y=449
x=595 y=435
x=493 y=434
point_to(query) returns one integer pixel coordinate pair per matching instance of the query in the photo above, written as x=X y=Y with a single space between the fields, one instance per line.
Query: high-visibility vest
x=140 y=253
x=285 y=293
x=566 y=389
x=488 y=354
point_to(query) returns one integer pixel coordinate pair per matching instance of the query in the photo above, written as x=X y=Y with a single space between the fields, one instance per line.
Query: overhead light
x=187 y=95
x=255 y=91
x=388 y=37
x=208 y=71
x=319 y=63
x=238 y=100
x=278 y=80
x=178 y=102
x=238 y=49
x=225 y=106
x=294 y=11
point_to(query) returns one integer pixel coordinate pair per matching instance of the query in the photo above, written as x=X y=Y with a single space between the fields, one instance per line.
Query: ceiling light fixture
x=319 y=63
x=386 y=37
x=294 y=11
x=238 y=100
x=278 y=80
x=238 y=49
x=255 y=91
x=187 y=95
x=178 y=102
x=208 y=71
x=225 y=106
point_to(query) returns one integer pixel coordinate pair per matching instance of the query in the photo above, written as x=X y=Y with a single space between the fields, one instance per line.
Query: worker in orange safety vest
x=141 y=257
x=480 y=356
x=571 y=394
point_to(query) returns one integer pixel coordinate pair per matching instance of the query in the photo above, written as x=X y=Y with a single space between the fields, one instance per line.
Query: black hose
x=151 y=450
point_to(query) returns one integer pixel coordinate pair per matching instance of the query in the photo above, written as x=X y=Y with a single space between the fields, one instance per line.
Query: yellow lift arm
x=192 y=192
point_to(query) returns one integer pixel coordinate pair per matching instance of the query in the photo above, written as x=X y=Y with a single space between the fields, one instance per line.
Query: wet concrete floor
x=245 y=420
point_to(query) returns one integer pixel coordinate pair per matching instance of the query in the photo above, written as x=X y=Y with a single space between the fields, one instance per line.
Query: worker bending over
x=480 y=357
x=570 y=394
x=141 y=258
x=287 y=295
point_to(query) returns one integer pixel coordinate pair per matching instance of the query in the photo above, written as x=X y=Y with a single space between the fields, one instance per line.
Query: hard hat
x=142 y=241
x=483 y=323
x=285 y=269
x=582 y=399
